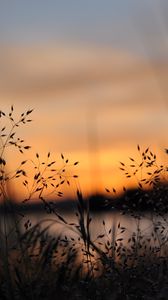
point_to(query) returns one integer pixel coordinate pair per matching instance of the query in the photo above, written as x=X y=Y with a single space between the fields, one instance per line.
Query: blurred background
x=95 y=73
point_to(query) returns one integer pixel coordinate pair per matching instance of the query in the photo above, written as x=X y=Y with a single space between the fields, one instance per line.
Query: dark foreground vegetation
x=35 y=264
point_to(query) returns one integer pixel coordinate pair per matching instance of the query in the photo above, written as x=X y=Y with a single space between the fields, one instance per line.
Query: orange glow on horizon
x=93 y=105
x=92 y=178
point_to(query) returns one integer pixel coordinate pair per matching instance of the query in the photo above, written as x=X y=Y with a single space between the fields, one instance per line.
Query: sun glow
x=93 y=105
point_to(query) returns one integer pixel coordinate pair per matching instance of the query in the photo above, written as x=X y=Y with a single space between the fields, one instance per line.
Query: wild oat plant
x=35 y=264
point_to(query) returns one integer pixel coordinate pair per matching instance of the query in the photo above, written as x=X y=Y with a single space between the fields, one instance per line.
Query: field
x=37 y=265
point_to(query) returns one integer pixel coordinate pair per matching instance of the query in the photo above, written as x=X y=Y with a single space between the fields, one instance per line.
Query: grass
x=37 y=265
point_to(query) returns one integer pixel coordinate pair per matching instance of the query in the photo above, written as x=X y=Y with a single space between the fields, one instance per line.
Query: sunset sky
x=95 y=73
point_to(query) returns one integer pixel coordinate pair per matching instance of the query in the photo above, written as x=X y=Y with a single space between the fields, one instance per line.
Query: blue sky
x=129 y=24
